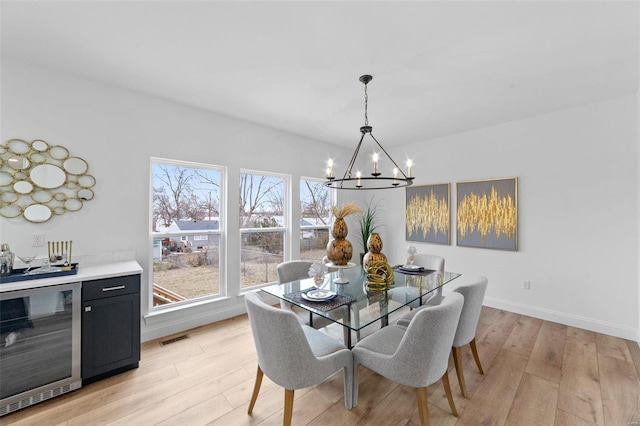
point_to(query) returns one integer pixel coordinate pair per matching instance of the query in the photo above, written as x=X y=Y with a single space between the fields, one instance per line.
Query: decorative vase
x=374 y=244
x=339 y=250
x=340 y=229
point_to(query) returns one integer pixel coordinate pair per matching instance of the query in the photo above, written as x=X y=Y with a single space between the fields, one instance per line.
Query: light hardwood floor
x=536 y=373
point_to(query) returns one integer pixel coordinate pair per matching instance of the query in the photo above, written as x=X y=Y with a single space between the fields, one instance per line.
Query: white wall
x=578 y=191
x=117 y=132
x=638 y=199
x=577 y=174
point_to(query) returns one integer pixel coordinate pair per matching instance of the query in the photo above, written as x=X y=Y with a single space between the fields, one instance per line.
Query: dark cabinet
x=110 y=326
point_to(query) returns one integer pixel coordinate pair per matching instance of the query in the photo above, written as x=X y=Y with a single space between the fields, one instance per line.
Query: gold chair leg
x=423 y=409
x=447 y=390
x=457 y=361
x=474 y=350
x=288 y=407
x=256 y=389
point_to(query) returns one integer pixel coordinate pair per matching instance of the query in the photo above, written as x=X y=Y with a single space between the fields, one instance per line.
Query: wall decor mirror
x=37 y=213
x=18 y=163
x=39 y=180
x=48 y=176
x=23 y=187
x=75 y=166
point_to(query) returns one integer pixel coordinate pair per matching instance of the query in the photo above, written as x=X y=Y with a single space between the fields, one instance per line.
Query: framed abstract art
x=427 y=213
x=487 y=214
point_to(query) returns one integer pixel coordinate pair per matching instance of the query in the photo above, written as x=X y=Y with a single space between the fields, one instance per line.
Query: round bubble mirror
x=23 y=187
x=48 y=176
x=85 y=194
x=18 y=163
x=75 y=166
x=37 y=213
x=39 y=180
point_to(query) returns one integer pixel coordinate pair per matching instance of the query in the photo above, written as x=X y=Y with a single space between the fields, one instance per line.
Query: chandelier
x=376 y=180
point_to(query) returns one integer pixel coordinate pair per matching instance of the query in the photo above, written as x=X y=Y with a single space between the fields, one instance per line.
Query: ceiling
x=439 y=67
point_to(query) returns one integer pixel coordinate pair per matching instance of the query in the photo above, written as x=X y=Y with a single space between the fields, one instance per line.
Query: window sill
x=156 y=314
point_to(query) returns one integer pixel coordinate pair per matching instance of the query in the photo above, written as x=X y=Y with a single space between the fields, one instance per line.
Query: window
x=186 y=230
x=315 y=219
x=263 y=223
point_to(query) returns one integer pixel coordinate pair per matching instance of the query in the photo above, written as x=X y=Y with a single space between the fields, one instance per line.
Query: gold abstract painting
x=427 y=214
x=487 y=214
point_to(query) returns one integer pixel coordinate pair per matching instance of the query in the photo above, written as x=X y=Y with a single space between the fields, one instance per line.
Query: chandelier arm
x=388 y=156
x=349 y=169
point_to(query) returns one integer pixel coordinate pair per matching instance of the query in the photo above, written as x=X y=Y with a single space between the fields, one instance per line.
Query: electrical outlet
x=526 y=285
x=38 y=240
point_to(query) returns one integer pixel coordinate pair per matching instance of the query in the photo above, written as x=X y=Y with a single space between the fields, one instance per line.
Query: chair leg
x=474 y=350
x=447 y=390
x=423 y=406
x=457 y=361
x=256 y=389
x=288 y=407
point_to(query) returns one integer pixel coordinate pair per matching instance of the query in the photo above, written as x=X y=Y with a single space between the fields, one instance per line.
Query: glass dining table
x=354 y=306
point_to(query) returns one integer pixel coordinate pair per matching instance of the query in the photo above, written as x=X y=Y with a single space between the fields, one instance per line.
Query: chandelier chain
x=366 y=104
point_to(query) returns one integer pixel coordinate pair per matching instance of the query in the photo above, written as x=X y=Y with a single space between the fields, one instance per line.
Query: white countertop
x=88 y=273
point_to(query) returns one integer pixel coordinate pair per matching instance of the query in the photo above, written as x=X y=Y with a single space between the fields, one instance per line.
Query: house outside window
x=315 y=218
x=264 y=221
x=187 y=231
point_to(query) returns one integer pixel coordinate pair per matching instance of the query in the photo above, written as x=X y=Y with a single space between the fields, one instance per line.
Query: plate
x=412 y=268
x=313 y=296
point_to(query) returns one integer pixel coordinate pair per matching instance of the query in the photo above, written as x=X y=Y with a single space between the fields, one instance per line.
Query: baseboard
x=177 y=325
x=180 y=323
x=566 y=319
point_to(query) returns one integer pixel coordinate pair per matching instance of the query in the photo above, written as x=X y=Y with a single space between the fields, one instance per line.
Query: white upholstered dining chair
x=429 y=261
x=293 y=355
x=297 y=270
x=415 y=356
x=473 y=289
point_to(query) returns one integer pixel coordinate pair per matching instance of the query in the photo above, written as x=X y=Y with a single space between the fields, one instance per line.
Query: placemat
x=423 y=272
x=337 y=301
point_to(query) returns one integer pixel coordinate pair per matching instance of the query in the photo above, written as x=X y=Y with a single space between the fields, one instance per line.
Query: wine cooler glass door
x=39 y=344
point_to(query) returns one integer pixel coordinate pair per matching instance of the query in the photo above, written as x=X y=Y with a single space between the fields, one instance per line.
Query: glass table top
x=360 y=307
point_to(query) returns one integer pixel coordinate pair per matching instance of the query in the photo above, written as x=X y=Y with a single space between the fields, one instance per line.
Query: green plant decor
x=368 y=222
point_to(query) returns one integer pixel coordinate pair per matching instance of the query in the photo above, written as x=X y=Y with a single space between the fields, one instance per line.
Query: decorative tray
x=35 y=274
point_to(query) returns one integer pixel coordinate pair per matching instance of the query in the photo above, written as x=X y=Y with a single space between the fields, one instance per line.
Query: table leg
x=347 y=336
x=346 y=330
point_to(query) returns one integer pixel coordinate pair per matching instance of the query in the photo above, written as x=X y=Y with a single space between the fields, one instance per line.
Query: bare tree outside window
x=315 y=219
x=262 y=226
x=186 y=231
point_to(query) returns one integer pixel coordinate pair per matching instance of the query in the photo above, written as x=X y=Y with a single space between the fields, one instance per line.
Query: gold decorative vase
x=339 y=250
x=374 y=255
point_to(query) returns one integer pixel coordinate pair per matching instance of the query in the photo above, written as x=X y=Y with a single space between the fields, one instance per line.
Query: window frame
x=221 y=232
x=285 y=228
x=332 y=201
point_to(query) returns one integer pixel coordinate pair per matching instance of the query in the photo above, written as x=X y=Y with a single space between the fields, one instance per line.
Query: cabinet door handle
x=118 y=287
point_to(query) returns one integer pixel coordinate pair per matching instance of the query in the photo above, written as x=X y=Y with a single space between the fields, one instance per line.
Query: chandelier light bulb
x=375 y=164
x=329 y=169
